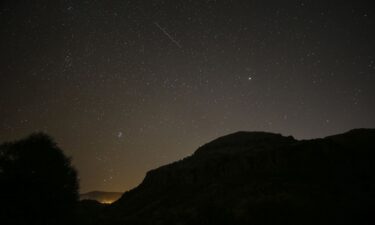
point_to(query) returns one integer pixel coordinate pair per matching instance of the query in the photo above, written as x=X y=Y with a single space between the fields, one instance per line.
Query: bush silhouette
x=38 y=185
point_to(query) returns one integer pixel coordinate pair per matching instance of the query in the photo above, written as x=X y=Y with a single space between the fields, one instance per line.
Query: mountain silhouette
x=101 y=196
x=259 y=178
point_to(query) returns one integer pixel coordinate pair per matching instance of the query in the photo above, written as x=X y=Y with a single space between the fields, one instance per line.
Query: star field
x=127 y=86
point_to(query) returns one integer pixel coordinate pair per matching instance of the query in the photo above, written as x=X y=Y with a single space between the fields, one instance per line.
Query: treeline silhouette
x=38 y=184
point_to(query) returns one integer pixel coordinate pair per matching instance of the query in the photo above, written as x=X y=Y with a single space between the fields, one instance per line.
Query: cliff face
x=222 y=158
x=259 y=178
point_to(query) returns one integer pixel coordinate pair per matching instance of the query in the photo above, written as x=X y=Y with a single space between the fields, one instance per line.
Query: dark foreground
x=243 y=178
x=258 y=178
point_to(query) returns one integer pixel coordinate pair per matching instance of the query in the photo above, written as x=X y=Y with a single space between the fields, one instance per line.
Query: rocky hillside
x=259 y=178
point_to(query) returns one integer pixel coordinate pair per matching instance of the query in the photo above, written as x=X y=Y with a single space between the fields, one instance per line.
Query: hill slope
x=259 y=178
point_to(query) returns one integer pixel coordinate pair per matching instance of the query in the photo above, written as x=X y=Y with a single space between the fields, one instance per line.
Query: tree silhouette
x=38 y=185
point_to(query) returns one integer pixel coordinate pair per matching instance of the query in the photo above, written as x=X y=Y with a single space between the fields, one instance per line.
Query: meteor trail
x=168 y=35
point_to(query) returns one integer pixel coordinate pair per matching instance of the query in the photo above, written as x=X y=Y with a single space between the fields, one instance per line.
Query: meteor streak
x=168 y=35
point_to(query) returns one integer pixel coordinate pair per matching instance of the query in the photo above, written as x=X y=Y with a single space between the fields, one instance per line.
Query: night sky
x=127 y=86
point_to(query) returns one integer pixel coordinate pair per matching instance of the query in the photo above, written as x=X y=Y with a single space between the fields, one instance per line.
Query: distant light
x=250 y=78
x=107 y=201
